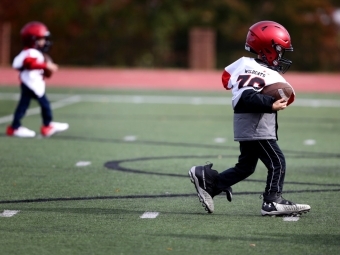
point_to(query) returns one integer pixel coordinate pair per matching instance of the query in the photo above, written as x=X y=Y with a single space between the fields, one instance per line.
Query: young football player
x=34 y=67
x=255 y=122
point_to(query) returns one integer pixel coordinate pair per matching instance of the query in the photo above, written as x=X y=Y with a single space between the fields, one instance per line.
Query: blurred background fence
x=186 y=34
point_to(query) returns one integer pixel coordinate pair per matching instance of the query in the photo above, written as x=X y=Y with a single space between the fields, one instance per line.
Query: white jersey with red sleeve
x=246 y=73
x=32 y=78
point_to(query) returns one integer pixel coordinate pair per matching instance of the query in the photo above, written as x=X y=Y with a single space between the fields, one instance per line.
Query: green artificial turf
x=69 y=209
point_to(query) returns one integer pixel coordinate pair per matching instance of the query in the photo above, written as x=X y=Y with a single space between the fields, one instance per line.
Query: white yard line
x=55 y=105
x=8 y=213
x=291 y=218
x=138 y=99
x=130 y=138
x=83 y=163
x=145 y=99
x=149 y=215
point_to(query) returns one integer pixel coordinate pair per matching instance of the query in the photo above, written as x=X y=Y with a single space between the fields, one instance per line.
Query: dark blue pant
x=24 y=102
x=269 y=153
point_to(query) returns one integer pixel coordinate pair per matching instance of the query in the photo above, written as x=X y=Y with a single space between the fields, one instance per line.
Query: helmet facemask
x=32 y=32
x=281 y=64
x=47 y=45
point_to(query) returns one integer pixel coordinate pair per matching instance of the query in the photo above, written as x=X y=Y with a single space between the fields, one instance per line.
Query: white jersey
x=246 y=73
x=34 y=78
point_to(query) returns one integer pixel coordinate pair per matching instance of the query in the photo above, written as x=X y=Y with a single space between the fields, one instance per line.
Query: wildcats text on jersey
x=255 y=72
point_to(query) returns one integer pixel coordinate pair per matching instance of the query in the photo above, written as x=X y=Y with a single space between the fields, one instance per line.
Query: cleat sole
x=200 y=197
x=276 y=213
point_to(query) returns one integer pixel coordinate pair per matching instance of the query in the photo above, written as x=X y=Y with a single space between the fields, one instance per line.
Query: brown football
x=279 y=90
x=47 y=73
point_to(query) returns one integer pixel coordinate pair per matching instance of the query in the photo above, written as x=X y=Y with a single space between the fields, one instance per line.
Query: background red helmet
x=33 y=31
x=270 y=40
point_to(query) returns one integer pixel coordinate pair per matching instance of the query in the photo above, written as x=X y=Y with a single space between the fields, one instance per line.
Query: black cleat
x=203 y=177
x=279 y=206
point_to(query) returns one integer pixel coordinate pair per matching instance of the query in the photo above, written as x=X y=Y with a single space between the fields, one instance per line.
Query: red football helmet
x=33 y=31
x=270 y=40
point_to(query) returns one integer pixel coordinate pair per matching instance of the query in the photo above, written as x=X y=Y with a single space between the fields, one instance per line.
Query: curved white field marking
x=36 y=110
x=154 y=99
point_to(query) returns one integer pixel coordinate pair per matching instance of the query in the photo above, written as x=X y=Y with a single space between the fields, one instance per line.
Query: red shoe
x=53 y=128
x=46 y=130
x=20 y=132
x=10 y=131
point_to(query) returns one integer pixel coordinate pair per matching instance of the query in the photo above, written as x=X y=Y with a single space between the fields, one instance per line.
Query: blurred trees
x=154 y=33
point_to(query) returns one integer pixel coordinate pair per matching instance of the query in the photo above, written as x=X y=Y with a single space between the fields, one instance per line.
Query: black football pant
x=269 y=153
x=24 y=102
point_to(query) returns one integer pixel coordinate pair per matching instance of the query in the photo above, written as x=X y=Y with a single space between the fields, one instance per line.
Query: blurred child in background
x=34 y=65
